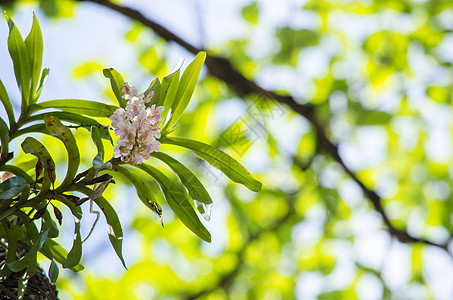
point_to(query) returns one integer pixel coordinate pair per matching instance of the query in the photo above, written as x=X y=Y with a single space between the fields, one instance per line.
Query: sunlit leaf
x=42 y=82
x=21 y=61
x=144 y=193
x=117 y=82
x=169 y=88
x=84 y=107
x=4 y=139
x=195 y=188
x=7 y=104
x=155 y=88
x=34 y=45
x=178 y=201
x=185 y=90
x=218 y=159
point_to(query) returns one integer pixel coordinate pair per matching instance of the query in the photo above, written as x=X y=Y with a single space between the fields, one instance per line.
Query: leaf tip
x=106 y=72
x=257 y=186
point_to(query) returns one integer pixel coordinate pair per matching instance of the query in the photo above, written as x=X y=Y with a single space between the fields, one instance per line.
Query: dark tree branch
x=223 y=69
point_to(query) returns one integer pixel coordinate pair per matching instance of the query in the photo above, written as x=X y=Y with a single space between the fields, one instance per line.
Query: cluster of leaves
x=28 y=197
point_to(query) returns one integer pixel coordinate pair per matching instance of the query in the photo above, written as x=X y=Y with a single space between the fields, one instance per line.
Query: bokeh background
x=377 y=77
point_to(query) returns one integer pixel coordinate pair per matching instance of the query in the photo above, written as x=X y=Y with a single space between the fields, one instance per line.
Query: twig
x=223 y=69
x=11 y=294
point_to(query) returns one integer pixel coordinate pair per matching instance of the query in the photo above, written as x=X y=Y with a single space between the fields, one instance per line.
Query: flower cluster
x=137 y=126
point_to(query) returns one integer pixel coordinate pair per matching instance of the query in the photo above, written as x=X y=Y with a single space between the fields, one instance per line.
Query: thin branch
x=222 y=68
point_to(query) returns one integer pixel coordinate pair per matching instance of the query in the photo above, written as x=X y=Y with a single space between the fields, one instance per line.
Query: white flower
x=148 y=97
x=129 y=92
x=137 y=126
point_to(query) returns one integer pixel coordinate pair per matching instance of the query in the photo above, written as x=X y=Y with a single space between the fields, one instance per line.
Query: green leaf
x=34 y=147
x=18 y=172
x=12 y=237
x=178 y=200
x=168 y=91
x=84 y=122
x=63 y=133
x=97 y=140
x=38 y=128
x=64 y=116
x=30 y=257
x=32 y=230
x=54 y=231
x=60 y=254
x=117 y=82
x=4 y=139
x=250 y=13
x=75 y=254
x=155 y=87
x=144 y=193
x=75 y=210
x=53 y=272
x=12 y=187
x=7 y=104
x=194 y=186
x=185 y=90
x=84 y=107
x=42 y=82
x=21 y=62
x=218 y=159
x=34 y=45
x=114 y=226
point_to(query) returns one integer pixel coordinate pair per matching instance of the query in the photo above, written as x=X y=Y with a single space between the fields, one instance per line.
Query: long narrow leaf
x=97 y=140
x=4 y=139
x=178 y=200
x=75 y=254
x=114 y=226
x=143 y=192
x=63 y=133
x=7 y=104
x=194 y=186
x=17 y=171
x=21 y=62
x=155 y=87
x=30 y=257
x=44 y=75
x=168 y=92
x=117 y=82
x=38 y=128
x=186 y=87
x=34 y=45
x=84 y=107
x=33 y=146
x=59 y=253
x=218 y=159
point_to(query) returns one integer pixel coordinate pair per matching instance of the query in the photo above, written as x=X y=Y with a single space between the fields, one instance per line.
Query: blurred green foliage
x=379 y=73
